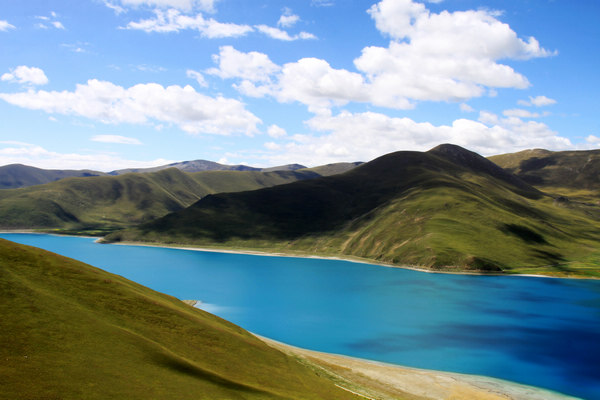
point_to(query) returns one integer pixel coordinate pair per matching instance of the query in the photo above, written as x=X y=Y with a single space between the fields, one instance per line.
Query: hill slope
x=17 y=175
x=72 y=331
x=444 y=209
x=570 y=173
x=109 y=202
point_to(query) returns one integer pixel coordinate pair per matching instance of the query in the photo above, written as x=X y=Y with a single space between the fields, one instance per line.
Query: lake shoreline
x=336 y=258
x=384 y=379
x=292 y=255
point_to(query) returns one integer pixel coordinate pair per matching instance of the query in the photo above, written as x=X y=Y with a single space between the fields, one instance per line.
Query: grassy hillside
x=574 y=174
x=72 y=331
x=334 y=169
x=18 y=175
x=446 y=209
x=104 y=203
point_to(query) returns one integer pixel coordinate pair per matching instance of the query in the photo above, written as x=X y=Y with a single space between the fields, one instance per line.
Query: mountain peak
x=477 y=163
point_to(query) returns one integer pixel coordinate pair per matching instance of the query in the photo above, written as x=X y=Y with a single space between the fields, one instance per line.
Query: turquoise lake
x=537 y=331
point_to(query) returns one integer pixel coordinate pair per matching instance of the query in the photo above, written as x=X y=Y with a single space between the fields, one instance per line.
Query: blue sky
x=108 y=84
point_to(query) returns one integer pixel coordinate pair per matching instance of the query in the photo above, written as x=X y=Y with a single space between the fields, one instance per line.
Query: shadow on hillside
x=187 y=368
x=524 y=233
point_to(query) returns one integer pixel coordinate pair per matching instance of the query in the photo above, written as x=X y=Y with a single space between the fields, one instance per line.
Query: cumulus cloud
x=252 y=66
x=539 y=101
x=288 y=18
x=276 y=131
x=115 y=139
x=450 y=56
x=5 y=26
x=364 y=136
x=104 y=101
x=37 y=156
x=26 y=75
x=310 y=81
x=172 y=20
x=593 y=140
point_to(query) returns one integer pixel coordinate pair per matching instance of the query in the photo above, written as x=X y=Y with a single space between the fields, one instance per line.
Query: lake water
x=537 y=331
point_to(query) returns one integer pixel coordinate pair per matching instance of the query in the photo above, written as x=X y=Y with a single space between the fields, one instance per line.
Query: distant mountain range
x=17 y=175
x=445 y=209
x=203 y=165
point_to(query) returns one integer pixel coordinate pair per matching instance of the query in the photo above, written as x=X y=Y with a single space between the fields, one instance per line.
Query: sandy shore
x=338 y=258
x=374 y=380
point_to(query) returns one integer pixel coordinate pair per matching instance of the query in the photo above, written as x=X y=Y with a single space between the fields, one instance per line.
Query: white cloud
x=450 y=56
x=276 y=131
x=520 y=113
x=26 y=75
x=288 y=18
x=310 y=81
x=315 y=83
x=464 y=107
x=539 y=101
x=173 y=20
x=5 y=26
x=365 y=136
x=184 y=5
x=104 y=101
x=115 y=7
x=197 y=76
x=276 y=33
x=50 y=22
x=593 y=140
x=78 y=47
x=115 y=139
x=252 y=66
x=40 y=157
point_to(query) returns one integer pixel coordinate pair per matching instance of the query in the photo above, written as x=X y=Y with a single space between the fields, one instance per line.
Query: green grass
x=571 y=173
x=72 y=331
x=447 y=209
x=96 y=205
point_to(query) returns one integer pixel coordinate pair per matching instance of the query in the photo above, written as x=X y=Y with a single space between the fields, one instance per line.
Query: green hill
x=447 y=209
x=72 y=331
x=563 y=173
x=102 y=203
x=17 y=175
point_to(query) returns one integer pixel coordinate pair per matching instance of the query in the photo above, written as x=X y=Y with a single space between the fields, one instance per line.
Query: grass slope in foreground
x=446 y=209
x=72 y=331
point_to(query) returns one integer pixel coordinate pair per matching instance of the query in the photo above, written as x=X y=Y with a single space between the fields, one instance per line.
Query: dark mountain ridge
x=19 y=175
